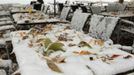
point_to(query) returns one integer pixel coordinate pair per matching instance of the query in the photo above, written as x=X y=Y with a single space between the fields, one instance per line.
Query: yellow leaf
x=47 y=42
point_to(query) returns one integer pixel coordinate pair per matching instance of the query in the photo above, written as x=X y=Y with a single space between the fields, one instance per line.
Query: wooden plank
x=127 y=21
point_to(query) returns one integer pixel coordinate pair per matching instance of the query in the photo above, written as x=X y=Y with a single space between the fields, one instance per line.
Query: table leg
x=133 y=47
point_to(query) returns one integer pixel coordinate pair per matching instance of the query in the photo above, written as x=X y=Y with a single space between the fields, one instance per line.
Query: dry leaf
x=127 y=57
x=22 y=34
x=71 y=45
x=83 y=52
x=114 y=13
x=83 y=44
x=94 y=42
x=48 y=28
x=53 y=66
x=30 y=45
x=76 y=52
x=115 y=56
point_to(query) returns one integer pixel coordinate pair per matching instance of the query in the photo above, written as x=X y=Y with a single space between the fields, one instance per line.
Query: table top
x=40 y=22
x=34 y=18
x=99 y=58
x=119 y=14
x=15 y=10
x=22 y=11
x=29 y=16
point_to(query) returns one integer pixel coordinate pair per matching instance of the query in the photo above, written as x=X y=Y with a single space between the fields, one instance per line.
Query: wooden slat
x=127 y=30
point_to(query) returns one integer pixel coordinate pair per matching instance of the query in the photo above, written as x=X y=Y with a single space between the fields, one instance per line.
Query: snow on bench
x=79 y=20
x=7 y=27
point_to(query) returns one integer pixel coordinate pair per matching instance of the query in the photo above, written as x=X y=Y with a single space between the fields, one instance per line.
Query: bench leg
x=133 y=47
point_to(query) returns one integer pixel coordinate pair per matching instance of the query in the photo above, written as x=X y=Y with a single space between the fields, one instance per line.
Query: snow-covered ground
x=50 y=1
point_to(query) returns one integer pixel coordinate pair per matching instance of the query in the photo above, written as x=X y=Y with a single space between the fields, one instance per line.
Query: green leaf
x=51 y=47
x=46 y=42
x=57 y=46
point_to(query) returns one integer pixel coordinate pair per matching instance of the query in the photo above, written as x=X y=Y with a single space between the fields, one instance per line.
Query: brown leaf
x=83 y=52
x=127 y=57
x=115 y=56
x=53 y=66
x=30 y=45
x=96 y=42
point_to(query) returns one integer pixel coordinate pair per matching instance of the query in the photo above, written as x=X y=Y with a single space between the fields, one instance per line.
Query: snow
x=2 y=72
x=2 y=41
x=65 y=12
x=102 y=27
x=79 y=20
x=29 y=61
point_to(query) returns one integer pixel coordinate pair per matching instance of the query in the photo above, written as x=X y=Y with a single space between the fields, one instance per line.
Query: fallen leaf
x=83 y=44
x=53 y=66
x=94 y=42
x=115 y=56
x=83 y=52
x=57 y=46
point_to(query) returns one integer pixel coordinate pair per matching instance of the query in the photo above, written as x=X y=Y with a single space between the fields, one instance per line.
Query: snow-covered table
x=33 y=19
x=22 y=11
x=20 y=8
x=102 y=58
x=121 y=14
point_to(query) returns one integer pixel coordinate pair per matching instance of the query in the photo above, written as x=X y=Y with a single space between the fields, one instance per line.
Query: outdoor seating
x=79 y=20
x=65 y=12
x=95 y=9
